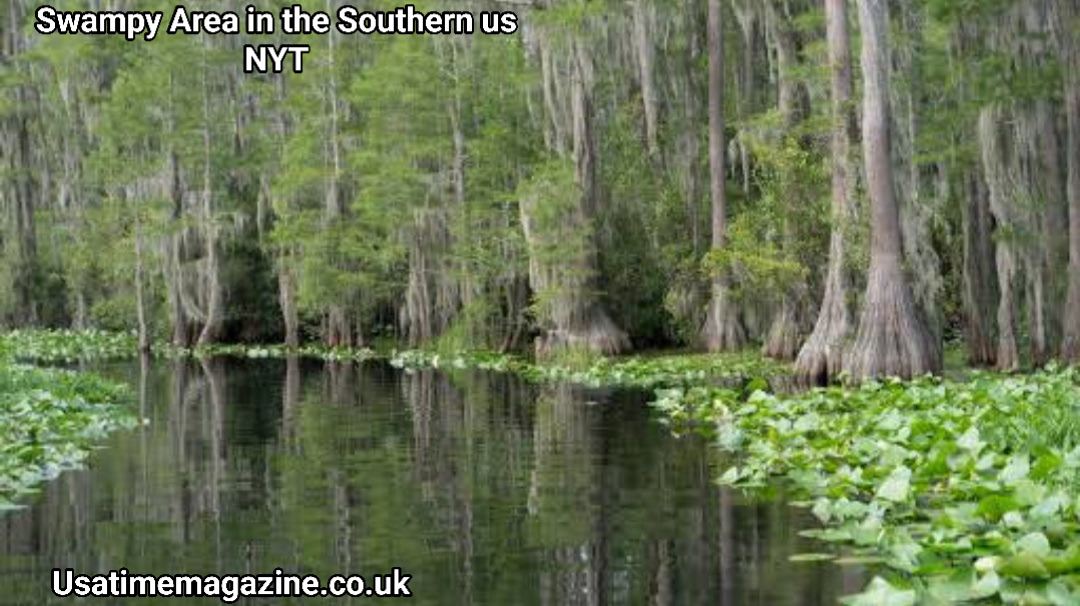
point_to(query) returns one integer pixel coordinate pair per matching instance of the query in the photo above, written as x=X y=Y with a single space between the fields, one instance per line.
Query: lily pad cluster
x=50 y=420
x=319 y=352
x=638 y=371
x=65 y=346
x=736 y=369
x=958 y=492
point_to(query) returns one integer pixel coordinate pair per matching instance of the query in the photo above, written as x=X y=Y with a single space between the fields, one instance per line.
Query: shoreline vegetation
x=951 y=490
x=641 y=371
x=51 y=420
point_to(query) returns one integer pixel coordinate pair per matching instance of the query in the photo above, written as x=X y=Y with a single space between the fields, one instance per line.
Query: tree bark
x=892 y=339
x=980 y=294
x=287 y=299
x=722 y=331
x=140 y=297
x=1070 y=347
x=999 y=183
x=211 y=329
x=822 y=356
x=643 y=43
x=338 y=331
x=21 y=191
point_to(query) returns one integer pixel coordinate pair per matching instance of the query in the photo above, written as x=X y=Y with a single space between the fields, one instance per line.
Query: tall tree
x=20 y=192
x=1070 y=347
x=892 y=340
x=822 y=355
x=722 y=331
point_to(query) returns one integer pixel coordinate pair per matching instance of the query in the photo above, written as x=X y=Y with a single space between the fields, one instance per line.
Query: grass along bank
x=50 y=421
x=962 y=491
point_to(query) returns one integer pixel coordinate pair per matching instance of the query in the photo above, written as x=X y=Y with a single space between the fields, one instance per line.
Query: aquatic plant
x=60 y=346
x=960 y=491
x=313 y=351
x=637 y=371
x=50 y=421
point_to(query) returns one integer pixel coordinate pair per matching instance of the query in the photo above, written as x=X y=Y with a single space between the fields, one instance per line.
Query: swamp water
x=486 y=489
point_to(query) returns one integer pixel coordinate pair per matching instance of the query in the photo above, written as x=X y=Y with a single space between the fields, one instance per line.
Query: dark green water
x=485 y=489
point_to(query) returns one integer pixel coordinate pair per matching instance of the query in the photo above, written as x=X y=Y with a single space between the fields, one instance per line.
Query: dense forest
x=849 y=185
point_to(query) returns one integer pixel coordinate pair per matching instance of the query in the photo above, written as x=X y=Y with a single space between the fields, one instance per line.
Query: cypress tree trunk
x=822 y=355
x=175 y=242
x=782 y=340
x=1054 y=227
x=891 y=340
x=562 y=246
x=140 y=297
x=211 y=329
x=338 y=331
x=998 y=177
x=286 y=256
x=641 y=14
x=980 y=294
x=1070 y=347
x=19 y=189
x=916 y=210
x=722 y=331
x=287 y=300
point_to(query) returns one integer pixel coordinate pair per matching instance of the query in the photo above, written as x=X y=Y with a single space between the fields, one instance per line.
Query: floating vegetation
x=60 y=346
x=64 y=346
x=320 y=352
x=50 y=421
x=638 y=371
x=962 y=492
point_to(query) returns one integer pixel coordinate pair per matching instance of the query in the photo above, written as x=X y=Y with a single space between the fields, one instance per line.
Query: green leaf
x=1024 y=565
x=897 y=486
x=882 y=593
x=1036 y=543
x=970 y=440
x=1017 y=469
x=986 y=587
x=812 y=557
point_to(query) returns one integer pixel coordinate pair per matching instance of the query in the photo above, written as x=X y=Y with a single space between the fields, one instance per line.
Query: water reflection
x=485 y=489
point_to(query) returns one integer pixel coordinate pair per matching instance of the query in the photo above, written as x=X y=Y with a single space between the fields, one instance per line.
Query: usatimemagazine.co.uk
x=228 y=588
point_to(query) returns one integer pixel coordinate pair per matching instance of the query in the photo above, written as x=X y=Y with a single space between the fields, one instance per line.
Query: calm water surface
x=485 y=489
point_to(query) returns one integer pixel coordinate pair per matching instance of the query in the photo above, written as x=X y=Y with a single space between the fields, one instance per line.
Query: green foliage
x=770 y=248
x=961 y=491
x=49 y=422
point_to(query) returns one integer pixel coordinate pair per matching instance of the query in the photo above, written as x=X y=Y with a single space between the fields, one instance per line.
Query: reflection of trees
x=486 y=489
x=469 y=452
x=567 y=497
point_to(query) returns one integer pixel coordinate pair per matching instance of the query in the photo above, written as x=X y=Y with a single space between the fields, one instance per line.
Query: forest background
x=849 y=185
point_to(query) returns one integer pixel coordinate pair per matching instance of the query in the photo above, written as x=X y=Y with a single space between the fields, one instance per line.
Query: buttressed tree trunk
x=562 y=248
x=822 y=355
x=722 y=331
x=891 y=340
